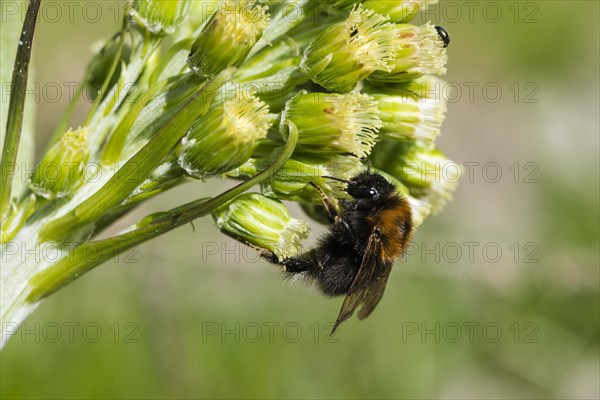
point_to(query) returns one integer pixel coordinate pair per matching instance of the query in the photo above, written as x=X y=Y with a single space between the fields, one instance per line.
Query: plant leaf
x=10 y=30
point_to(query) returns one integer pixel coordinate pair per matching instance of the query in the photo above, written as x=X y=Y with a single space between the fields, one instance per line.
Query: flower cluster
x=279 y=95
x=368 y=95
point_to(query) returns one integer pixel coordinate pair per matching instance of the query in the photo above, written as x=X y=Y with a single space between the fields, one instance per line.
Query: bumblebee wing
x=371 y=263
x=350 y=303
x=375 y=292
x=360 y=286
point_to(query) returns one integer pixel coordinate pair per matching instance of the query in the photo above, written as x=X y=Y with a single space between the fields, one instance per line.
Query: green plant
x=275 y=93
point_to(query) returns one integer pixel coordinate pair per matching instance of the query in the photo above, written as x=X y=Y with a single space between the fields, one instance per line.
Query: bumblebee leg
x=332 y=212
x=265 y=254
x=292 y=265
x=328 y=204
x=306 y=262
x=295 y=265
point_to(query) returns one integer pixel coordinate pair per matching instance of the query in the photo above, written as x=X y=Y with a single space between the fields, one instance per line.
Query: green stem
x=139 y=166
x=116 y=142
x=91 y=254
x=16 y=106
x=15 y=220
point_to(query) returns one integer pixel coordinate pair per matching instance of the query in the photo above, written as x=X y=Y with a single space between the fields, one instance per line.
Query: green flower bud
x=274 y=72
x=244 y=171
x=332 y=123
x=100 y=66
x=262 y=221
x=160 y=16
x=349 y=51
x=62 y=168
x=292 y=181
x=398 y=11
x=421 y=52
x=426 y=172
x=223 y=139
x=420 y=209
x=228 y=37
x=276 y=84
x=408 y=113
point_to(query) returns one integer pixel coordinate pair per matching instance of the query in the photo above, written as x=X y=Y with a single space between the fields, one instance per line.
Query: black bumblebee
x=368 y=233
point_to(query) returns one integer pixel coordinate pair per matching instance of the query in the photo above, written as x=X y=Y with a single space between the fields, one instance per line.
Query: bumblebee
x=368 y=233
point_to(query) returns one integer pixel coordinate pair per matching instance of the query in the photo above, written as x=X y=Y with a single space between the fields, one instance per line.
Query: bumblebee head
x=369 y=185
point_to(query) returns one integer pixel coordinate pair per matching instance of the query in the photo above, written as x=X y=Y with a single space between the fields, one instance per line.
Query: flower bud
x=263 y=222
x=100 y=65
x=398 y=11
x=223 y=138
x=228 y=37
x=332 y=123
x=292 y=181
x=422 y=51
x=427 y=173
x=407 y=111
x=420 y=209
x=275 y=84
x=160 y=16
x=349 y=51
x=62 y=168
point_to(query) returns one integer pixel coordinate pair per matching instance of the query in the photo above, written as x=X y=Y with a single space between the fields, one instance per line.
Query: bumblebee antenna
x=369 y=167
x=336 y=179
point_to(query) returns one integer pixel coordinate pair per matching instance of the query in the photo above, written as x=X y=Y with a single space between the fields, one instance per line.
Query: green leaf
x=10 y=30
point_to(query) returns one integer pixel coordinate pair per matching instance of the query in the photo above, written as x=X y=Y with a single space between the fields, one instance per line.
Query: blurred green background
x=499 y=298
